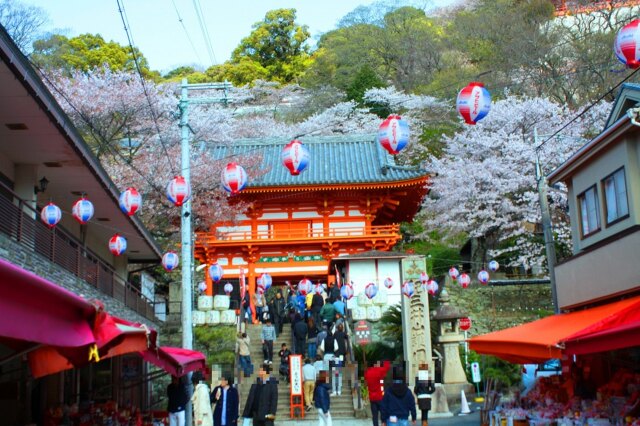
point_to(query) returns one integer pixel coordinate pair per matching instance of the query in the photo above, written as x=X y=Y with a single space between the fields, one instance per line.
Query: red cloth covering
x=374 y=377
x=176 y=361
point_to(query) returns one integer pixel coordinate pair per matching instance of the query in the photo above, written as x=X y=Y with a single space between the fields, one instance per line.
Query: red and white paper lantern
x=130 y=201
x=494 y=266
x=228 y=288
x=82 y=210
x=393 y=134
x=51 y=215
x=388 y=282
x=627 y=44
x=295 y=157
x=117 y=245
x=432 y=287
x=424 y=277
x=170 y=261
x=464 y=280
x=408 y=288
x=347 y=291
x=178 y=191
x=305 y=286
x=483 y=277
x=473 y=103
x=454 y=273
x=371 y=290
x=234 y=178
x=215 y=272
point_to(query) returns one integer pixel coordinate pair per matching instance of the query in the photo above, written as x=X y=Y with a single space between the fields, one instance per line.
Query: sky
x=157 y=31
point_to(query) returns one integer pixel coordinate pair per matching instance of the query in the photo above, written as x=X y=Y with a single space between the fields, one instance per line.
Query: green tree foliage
x=84 y=53
x=391 y=327
x=217 y=343
x=365 y=79
x=276 y=50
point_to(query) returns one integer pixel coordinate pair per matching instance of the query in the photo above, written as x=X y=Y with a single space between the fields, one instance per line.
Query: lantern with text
x=424 y=277
x=494 y=266
x=346 y=291
x=388 y=282
x=215 y=272
x=117 y=245
x=465 y=323
x=82 y=210
x=407 y=288
x=130 y=201
x=178 y=191
x=170 y=261
x=371 y=290
x=234 y=178
x=295 y=157
x=483 y=277
x=627 y=44
x=454 y=273
x=51 y=215
x=305 y=286
x=393 y=134
x=464 y=280
x=228 y=288
x=474 y=102
x=432 y=287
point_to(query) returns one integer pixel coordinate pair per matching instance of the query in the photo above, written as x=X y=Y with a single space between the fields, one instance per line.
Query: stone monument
x=449 y=338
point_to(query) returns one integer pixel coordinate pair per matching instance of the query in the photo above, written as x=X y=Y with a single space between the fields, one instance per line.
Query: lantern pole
x=546 y=224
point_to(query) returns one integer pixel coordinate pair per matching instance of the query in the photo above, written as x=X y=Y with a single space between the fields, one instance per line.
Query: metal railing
x=20 y=222
x=298 y=234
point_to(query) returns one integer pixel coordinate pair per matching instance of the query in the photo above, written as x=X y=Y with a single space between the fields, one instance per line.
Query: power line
x=205 y=31
x=142 y=81
x=584 y=111
x=185 y=31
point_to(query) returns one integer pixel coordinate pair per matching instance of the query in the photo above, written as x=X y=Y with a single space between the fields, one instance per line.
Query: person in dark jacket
x=178 y=397
x=423 y=390
x=333 y=293
x=276 y=307
x=284 y=361
x=247 y=316
x=316 y=304
x=374 y=376
x=300 y=330
x=340 y=354
x=398 y=403
x=262 y=402
x=225 y=397
x=312 y=334
x=321 y=399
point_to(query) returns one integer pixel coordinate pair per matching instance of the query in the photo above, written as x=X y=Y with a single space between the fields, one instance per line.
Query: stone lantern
x=449 y=338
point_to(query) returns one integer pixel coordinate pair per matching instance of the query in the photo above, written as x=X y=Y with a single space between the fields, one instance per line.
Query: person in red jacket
x=374 y=376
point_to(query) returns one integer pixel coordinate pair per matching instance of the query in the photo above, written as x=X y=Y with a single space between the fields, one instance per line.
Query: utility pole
x=546 y=224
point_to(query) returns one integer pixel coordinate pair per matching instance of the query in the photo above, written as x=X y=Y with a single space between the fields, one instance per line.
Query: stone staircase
x=341 y=406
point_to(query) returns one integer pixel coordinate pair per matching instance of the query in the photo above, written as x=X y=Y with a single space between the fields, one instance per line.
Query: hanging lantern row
x=170 y=261
x=627 y=44
x=393 y=134
x=215 y=272
x=473 y=102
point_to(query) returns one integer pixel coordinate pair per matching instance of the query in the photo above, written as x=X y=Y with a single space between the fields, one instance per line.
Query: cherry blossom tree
x=485 y=187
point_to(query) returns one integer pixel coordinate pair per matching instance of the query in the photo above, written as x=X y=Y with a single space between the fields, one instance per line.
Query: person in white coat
x=202 y=414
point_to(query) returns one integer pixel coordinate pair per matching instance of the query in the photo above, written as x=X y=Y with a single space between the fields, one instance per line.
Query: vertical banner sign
x=295 y=368
x=475 y=372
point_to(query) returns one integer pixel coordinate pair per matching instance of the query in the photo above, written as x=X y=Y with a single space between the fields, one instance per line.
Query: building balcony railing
x=274 y=236
x=20 y=222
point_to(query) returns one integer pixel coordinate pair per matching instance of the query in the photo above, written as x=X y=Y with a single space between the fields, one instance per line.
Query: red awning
x=38 y=311
x=544 y=339
x=113 y=336
x=176 y=361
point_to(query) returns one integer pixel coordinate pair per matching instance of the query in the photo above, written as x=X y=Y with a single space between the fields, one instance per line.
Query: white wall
x=362 y=272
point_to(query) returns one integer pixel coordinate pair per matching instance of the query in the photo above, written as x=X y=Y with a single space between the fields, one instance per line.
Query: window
x=615 y=191
x=590 y=218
